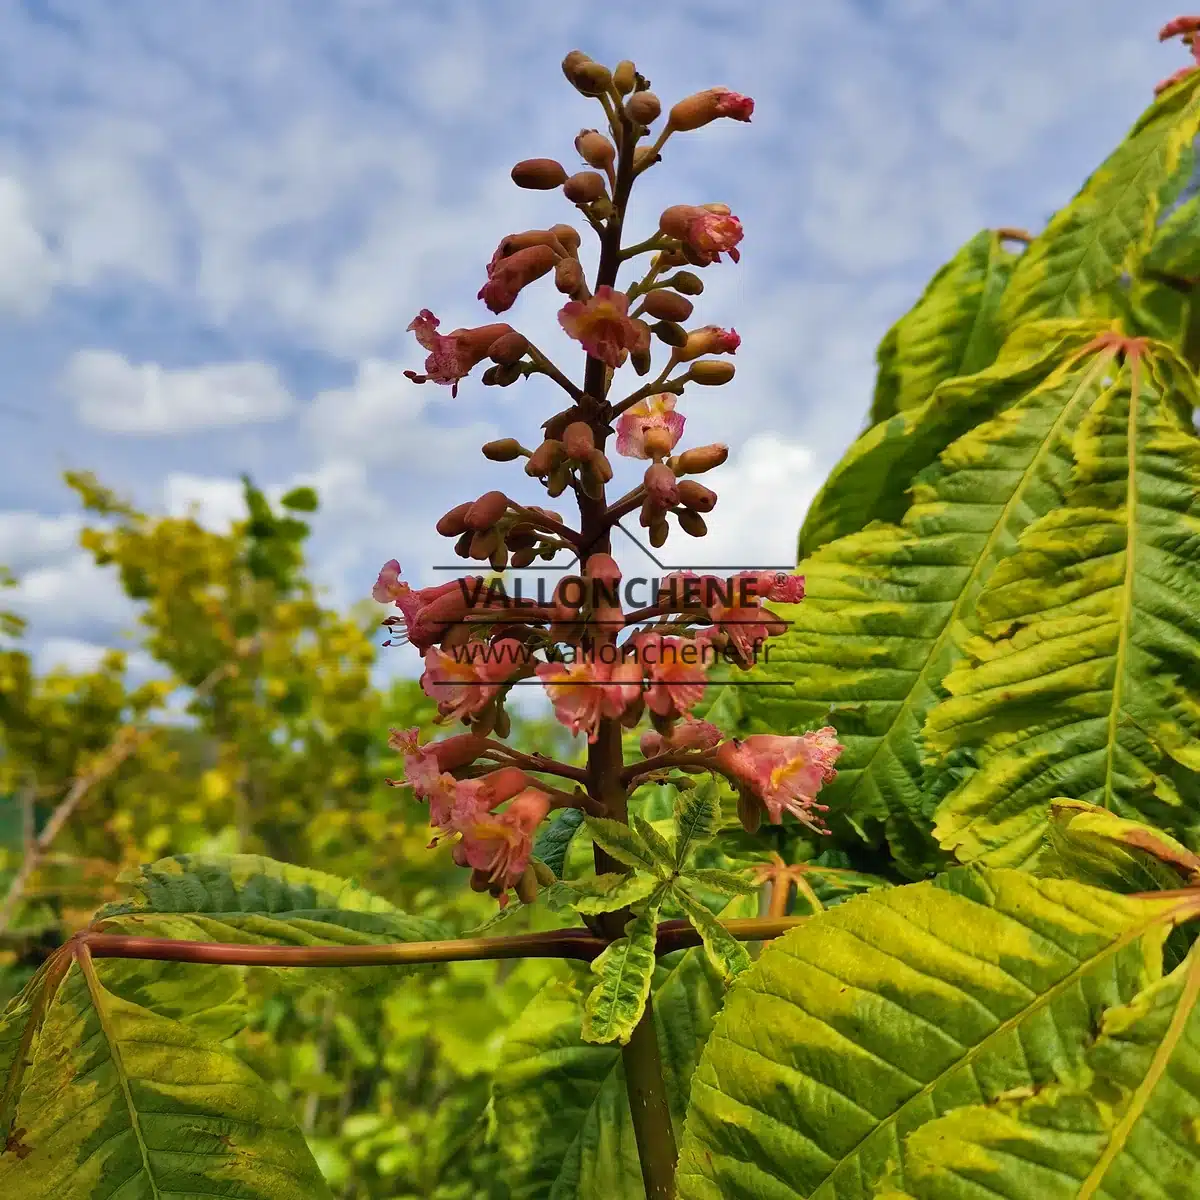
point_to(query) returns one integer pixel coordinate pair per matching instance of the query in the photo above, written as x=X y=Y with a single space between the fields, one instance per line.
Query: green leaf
x=608 y=893
x=300 y=499
x=873 y=480
x=887 y=610
x=117 y=1099
x=951 y=330
x=724 y=951
x=625 y=968
x=1133 y=1132
x=659 y=847
x=620 y=842
x=1083 y=682
x=554 y=839
x=1069 y=269
x=697 y=818
x=717 y=880
x=876 y=1016
x=559 y=1104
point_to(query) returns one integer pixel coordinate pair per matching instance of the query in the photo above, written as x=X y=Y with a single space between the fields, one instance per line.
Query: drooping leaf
x=876 y=1016
x=625 y=968
x=554 y=839
x=1083 y=681
x=620 y=842
x=1132 y=1132
x=724 y=951
x=117 y=1100
x=873 y=479
x=608 y=893
x=1069 y=269
x=697 y=817
x=887 y=610
x=560 y=1109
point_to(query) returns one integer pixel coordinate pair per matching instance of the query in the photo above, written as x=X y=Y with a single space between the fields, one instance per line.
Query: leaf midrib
x=1039 y=1003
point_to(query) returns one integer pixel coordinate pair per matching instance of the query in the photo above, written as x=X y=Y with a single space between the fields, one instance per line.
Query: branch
x=546 y=367
x=673 y=758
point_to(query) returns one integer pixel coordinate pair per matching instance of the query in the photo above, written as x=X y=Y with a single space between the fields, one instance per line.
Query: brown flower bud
x=573 y=61
x=568 y=237
x=556 y=424
x=545 y=876
x=591 y=79
x=511 y=243
x=540 y=174
x=584 y=187
x=486 y=511
x=523 y=558
x=658 y=442
x=463 y=546
x=507 y=374
x=457 y=635
x=578 y=440
x=721 y=210
x=568 y=276
x=686 y=282
x=558 y=480
x=641 y=361
x=666 y=305
x=480 y=882
x=625 y=77
x=696 y=496
x=527 y=886
x=699 y=459
x=673 y=334
x=643 y=108
x=484 y=543
x=659 y=532
x=702 y=107
x=664 y=260
x=488 y=378
x=692 y=523
x=645 y=156
x=649 y=513
x=503 y=722
x=508 y=348
x=453 y=523
x=711 y=372
x=600 y=466
x=499 y=557
x=603 y=567
x=749 y=809
x=595 y=149
x=662 y=490
x=503 y=450
x=545 y=458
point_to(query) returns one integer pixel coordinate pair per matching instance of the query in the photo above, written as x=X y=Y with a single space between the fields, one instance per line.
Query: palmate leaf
x=116 y=1101
x=888 y=609
x=620 y=842
x=607 y=893
x=878 y=1016
x=1132 y=1132
x=724 y=951
x=873 y=479
x=1084 y=682
x=951 y=330
x=1069 y=269
x=559 y=1105
x=697 y=818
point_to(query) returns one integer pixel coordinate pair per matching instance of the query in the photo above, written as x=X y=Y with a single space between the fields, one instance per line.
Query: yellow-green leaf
x=625 y=968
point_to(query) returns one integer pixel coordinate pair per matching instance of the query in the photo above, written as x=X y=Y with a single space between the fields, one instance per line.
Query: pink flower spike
x=500 y=844
x=706 y=234
x=1179 y=27
x=453 y=355
x=676 y=669
x=602 y=326
x=462 y=682
x=587 y=691
x=734 y=105
x=655 y=416
x=775 y=586
x=389 y=587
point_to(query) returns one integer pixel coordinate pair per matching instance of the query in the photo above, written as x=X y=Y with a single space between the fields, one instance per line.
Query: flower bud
x=568 y=276
x=574 y=61
x=595 y=149
x=508 y=348
x=670 y=332
x=699 y=459
x=711 y=372
x=488 y=378
x=600 y=466
x=686 y=282
x=507 y=374
x=709 y=339
x=584 y=187
x=568 y=237
x=523 y=558
x=658 y=442
x=545 y=458
x=484 y=543
x=545 y=876
x=649 y=513
x=702 y=107
x=640 y=361
x=721 y=210
x=692 y=523
x=463 y=546
x=499 y=559
x=502 y=450
x=480 y=881
x=602 y=209
x=540 y=174
x=625 y=77
x=659 y=532
x=486 y=511
x=661 y=487
x=643 y=108
x=578 y=440
x=666 y=305
x=749 y=809
x=696 y=496
x=591 y=79
x=527 y=886
x=558 y=480
x=603 y=567
x=453 y=523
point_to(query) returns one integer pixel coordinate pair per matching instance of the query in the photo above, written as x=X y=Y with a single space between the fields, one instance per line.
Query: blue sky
x=217 y=217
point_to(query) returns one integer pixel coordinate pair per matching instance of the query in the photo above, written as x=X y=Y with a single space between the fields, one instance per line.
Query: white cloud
x=73 y=595
x=118 y=396
x=27 y=267
x=214 y=503
x=28 y=539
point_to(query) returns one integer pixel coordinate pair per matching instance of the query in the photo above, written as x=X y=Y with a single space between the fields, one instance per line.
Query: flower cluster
x=604 y=669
